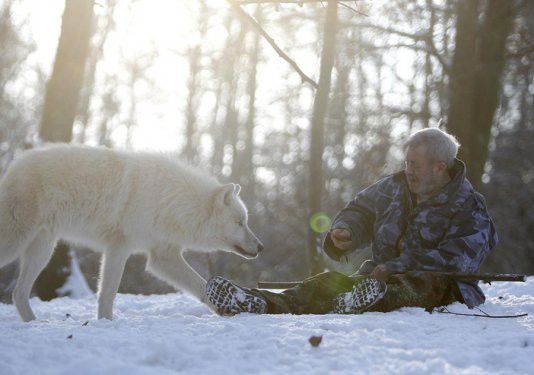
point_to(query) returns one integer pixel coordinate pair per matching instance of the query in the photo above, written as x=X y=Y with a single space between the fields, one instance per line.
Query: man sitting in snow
x=425 y=218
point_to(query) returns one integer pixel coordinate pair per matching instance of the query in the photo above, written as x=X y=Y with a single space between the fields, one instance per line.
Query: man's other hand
x=381 y=273
x=341 y=238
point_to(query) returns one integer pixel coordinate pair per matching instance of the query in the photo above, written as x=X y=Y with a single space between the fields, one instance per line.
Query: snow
x=76 y=286
x=173 y=333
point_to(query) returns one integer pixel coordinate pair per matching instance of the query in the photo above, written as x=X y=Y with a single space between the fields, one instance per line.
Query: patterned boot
x=230 y=299
x=364 y=295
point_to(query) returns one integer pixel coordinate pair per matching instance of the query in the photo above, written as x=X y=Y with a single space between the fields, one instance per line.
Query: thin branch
x=444 y=310
x=416 y=37
x=377 y=47
x=301 y=3
x=389 y=30
x=523 y=51
x=271 y=41
x=244 y=2
x=353 y=9
x=434 y=52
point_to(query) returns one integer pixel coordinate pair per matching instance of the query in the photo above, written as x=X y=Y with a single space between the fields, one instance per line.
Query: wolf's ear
x=237 y=189
x=225 y=194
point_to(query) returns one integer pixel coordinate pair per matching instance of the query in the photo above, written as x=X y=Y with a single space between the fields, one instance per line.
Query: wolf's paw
x=364 y=295
x=230 y=299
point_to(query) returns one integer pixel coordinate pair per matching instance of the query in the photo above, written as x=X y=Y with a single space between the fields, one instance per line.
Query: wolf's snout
x=260 y=248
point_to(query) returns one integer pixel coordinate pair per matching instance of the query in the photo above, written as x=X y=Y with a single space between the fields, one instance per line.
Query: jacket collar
x=458 y=188
x=455 y=190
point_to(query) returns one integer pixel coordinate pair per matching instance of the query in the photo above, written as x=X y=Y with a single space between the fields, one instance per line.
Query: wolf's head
x=229 y=224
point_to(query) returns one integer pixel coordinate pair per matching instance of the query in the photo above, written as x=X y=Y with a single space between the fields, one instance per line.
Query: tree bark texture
x=320 y=104
x=64 y=86
x=59 y=110
x=475 y=81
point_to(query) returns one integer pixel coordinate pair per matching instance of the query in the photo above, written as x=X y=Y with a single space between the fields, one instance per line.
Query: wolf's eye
x=240 y=223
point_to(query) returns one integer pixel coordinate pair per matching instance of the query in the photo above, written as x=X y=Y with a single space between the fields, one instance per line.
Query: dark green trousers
x=316 y=294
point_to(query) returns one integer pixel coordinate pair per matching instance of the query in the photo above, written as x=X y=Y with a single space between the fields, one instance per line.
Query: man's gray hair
x=440 y=146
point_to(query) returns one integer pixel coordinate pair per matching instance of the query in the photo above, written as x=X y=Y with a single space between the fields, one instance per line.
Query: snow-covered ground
x=173 y=333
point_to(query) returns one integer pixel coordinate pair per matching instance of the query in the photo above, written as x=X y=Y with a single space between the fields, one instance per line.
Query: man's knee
x=418 y=289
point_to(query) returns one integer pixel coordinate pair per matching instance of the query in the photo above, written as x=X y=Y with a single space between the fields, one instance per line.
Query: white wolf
x=118 y=203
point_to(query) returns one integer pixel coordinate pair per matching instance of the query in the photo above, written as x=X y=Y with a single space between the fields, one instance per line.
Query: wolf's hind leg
x=32 y=262
x=111 y=271
x=11 y=250
x=13 y=243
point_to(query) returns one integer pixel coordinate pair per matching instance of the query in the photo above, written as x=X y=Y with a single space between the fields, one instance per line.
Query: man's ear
x=225 y=194
x=442 y=166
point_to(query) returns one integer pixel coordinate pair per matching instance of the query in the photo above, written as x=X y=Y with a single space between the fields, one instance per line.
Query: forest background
x=304 y=103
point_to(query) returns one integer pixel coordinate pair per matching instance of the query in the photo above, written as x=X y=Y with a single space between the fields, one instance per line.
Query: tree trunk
x=59 y=110
x=320 y=105
x=426 y=113
x=492 y=50
x=226 y=94
x=94 y=58
x=245 y=166
x=475 y=85
x=462 y=78
x=230 y=126
x=195 y=68
x=64 y=87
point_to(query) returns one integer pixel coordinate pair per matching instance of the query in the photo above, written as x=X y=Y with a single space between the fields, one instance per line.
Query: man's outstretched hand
x=381 y=273
x=341 y=238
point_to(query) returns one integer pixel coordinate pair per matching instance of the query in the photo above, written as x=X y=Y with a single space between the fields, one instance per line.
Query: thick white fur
x=117 y=203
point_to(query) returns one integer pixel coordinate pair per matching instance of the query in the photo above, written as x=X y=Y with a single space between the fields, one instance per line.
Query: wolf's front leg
x=110 y=277
x=168 y=263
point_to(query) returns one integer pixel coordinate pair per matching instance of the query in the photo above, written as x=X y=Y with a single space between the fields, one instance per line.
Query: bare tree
x=225 y=131
x=243 y=168
x=475 y=81
x=102 y=27
x=320 y=105
x=16 y=114
x=64 y=86
x=59 y=110
x=194 y=56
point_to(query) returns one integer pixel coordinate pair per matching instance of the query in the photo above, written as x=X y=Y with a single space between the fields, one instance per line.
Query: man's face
x=422 y=173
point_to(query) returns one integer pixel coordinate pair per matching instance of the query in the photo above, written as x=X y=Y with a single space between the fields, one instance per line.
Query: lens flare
x=320 y=222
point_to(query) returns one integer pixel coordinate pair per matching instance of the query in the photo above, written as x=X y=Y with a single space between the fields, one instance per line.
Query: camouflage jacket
x=452 y=231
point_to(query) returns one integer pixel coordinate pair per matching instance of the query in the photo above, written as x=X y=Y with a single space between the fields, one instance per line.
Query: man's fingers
x=341 y=234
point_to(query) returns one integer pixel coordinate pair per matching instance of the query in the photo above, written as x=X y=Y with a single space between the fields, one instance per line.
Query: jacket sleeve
x=358 y=218
x=469 y=238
